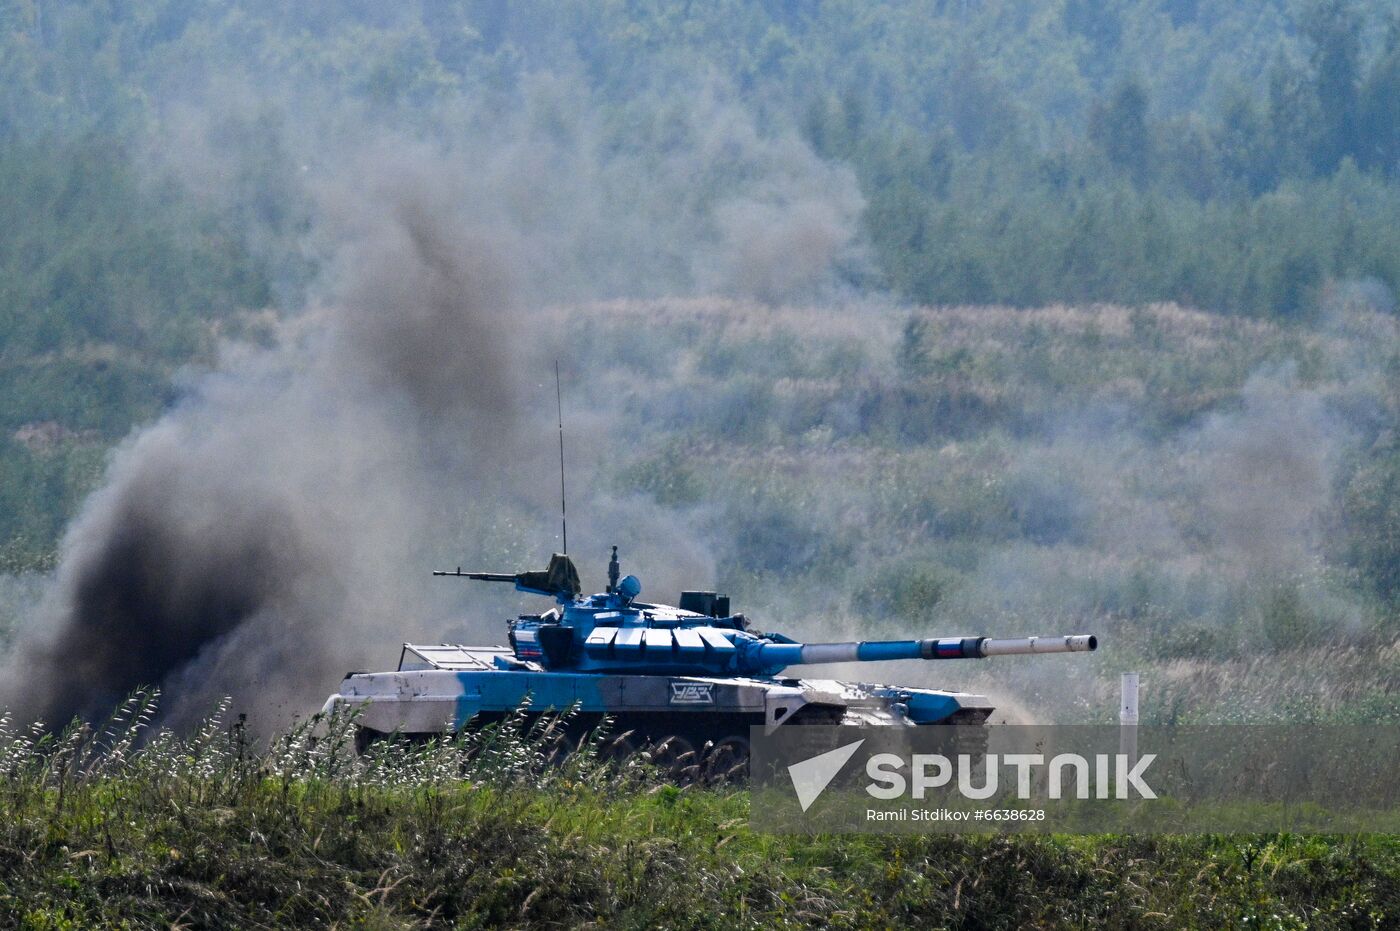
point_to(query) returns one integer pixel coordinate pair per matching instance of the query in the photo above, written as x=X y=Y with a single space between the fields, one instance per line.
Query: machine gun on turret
x=559 y=581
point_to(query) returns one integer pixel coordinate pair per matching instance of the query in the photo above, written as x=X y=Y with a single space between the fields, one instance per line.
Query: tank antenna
x=563 y=508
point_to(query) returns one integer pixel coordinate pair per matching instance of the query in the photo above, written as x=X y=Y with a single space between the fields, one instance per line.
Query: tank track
x=712 y=751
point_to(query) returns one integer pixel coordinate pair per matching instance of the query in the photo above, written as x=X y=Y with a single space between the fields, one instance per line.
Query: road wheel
x=676 y=756
x=619 y=749
x=728 y=761
x=556 y=748
x=364 y=738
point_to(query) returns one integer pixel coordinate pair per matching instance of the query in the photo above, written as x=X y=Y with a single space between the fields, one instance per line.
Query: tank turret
x=614 y=632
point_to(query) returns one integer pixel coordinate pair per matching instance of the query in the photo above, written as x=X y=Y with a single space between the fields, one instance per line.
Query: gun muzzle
x=980 y=647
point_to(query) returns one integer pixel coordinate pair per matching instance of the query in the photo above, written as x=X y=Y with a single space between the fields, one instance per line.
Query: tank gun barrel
x=777 y=655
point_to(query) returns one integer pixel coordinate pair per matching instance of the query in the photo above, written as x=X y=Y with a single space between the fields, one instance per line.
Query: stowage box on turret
x=688 y=681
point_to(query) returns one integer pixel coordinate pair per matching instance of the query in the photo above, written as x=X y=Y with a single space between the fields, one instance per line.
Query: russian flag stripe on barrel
x=950 y=648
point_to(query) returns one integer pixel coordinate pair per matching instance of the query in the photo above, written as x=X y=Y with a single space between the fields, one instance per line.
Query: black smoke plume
x=253 y=539
x=274 y=529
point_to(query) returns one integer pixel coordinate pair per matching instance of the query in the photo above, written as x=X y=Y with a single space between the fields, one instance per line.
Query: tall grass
x=116 y=826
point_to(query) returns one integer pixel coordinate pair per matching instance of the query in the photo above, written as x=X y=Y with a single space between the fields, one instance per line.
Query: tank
x=684 y=682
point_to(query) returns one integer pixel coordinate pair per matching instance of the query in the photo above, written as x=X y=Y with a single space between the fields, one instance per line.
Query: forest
x=1237 y=158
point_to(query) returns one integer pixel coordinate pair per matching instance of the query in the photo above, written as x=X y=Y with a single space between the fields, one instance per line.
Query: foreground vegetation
x=101 y=829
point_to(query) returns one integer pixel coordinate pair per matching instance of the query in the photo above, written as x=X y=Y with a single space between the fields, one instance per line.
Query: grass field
x=206 y=833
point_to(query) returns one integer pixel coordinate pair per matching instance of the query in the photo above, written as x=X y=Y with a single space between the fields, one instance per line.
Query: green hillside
x=1197 y=488
x=1238 y=158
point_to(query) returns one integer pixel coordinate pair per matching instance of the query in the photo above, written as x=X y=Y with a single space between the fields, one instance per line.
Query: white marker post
x=1128 y=717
